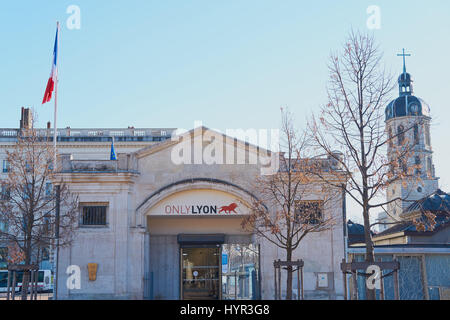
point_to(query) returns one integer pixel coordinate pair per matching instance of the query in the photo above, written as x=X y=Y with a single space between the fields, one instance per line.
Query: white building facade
x=155 y=228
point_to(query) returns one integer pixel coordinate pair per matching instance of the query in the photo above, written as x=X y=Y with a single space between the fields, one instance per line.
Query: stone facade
x=139 y=238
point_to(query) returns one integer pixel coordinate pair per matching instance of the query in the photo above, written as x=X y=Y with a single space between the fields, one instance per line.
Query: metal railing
x=94 y=132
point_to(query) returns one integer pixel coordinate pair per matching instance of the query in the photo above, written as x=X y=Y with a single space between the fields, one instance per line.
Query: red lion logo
x=229 y=209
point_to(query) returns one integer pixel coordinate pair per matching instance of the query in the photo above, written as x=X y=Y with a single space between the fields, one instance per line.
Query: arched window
x=429 y=167
x=401 y=134
x=416 y=134
x=427 y=134
x=402 y=165
x=417 y=163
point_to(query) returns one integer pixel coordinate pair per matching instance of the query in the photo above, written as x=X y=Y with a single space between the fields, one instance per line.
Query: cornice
x=96 y=177
x=82 y=145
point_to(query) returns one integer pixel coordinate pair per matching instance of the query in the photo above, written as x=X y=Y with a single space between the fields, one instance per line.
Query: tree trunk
x=26 y=274
x=370 y=256
x=289 y=275
x=25 y=281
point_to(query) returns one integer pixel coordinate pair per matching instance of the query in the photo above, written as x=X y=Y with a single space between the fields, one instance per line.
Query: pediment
x=205 y=136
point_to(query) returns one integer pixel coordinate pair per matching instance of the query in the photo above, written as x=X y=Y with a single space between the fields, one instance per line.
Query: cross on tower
x=404 y=62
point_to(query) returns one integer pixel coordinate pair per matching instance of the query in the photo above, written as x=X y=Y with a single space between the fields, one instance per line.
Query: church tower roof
x=406 y=104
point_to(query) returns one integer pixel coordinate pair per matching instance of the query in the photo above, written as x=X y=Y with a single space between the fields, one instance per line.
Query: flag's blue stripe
x=55 y=49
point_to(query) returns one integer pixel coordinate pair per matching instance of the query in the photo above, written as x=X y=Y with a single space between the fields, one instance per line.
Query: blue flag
x=113 y=152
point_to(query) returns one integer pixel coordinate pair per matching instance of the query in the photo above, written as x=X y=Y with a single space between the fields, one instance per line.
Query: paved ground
x=40 y=296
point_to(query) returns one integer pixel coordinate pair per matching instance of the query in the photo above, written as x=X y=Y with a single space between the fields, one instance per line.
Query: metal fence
x=421 y=277
x=39 y=296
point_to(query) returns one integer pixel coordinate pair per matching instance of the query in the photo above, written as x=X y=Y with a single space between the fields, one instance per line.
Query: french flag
x=53 y=75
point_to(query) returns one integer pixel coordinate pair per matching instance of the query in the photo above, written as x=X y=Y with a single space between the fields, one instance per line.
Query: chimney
x=26 y=120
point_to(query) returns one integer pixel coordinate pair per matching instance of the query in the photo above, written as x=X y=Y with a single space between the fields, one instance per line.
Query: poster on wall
x=224 y=262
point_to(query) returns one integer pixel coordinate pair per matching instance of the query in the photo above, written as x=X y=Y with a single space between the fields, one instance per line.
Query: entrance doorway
x=200 y=273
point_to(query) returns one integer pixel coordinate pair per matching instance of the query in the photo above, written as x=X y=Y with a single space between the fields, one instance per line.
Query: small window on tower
x=429 y=167
x=390 y=137
x=417 y=163
x=427 y=134
x=416 y=134
x=403 y=165
x=401 y=134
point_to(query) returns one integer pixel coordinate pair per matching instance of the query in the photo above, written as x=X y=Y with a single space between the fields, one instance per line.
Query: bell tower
x=408 y=125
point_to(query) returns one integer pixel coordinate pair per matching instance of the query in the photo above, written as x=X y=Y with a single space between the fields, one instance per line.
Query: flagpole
x=55 y=133
x=58 y=190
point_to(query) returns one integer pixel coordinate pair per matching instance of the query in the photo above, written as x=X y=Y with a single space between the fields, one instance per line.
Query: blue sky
x=230 y=64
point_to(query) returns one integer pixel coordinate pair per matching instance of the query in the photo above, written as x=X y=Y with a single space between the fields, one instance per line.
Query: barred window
x=94 y=215
x=308 y=211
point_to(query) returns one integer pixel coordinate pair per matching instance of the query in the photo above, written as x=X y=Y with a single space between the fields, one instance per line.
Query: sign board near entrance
x=200 y=209
x=200 y=202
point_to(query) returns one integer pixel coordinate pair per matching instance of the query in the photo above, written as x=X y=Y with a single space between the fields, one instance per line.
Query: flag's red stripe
x=48 y=90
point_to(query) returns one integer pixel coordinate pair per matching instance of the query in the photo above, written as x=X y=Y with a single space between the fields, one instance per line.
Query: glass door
x=240 y=272
x=200 y=273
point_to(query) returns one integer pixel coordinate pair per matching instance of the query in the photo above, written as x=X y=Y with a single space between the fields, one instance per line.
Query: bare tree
x=352 y=122
x=290 y=203
x=28 y=202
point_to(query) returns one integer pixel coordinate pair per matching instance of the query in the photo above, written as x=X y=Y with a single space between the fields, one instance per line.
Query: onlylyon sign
x=200 y=202
x=201 y=209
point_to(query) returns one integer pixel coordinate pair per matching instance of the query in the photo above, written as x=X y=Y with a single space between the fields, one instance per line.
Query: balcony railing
x=96 y=134
x=124 y=163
